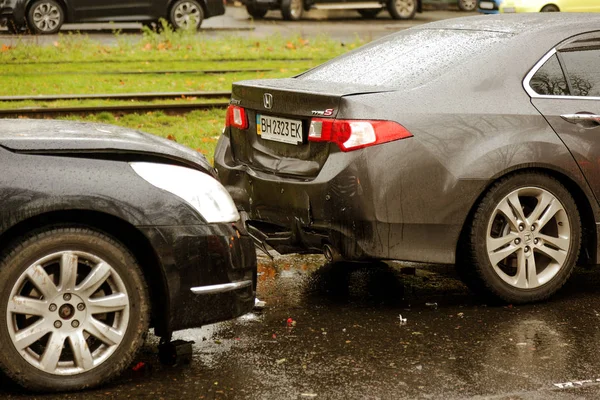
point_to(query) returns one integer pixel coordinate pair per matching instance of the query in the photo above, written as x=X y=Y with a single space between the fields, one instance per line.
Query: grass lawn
x=76 y=64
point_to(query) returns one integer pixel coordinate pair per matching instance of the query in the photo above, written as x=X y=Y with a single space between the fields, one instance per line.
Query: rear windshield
x=407 y=59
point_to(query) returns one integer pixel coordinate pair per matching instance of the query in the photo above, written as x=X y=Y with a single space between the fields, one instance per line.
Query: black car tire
x=467 y=5
x=256 y=12
x=50 y=247
x=550 y=8
x=180 y=12
x=474 y=264
x=369 y=13
x=292 y=10
x=402 y=9
x=45 y=17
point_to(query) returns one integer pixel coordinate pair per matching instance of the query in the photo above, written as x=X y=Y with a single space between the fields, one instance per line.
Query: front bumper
x=209 y=273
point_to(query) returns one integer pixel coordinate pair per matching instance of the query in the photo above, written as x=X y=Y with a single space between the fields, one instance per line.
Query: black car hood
x=81 y=138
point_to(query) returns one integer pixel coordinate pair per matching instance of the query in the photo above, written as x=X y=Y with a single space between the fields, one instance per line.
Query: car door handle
x=585 y=120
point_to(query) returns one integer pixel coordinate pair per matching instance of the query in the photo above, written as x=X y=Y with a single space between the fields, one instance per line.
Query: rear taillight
x=355 y=134
x=236 y=117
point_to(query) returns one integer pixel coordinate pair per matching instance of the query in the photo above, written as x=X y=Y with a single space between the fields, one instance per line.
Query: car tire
x=291 y=10
x=546 y=233
x=45 y=17
x=255 y=11
x=85 y=293
x=550 y=8
x=467 y=5
x=183 y=11
x=402 y=9
x=369 y=13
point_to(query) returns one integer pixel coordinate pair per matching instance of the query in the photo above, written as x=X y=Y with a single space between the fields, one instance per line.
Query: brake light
x=355 y=134
x=236 y=117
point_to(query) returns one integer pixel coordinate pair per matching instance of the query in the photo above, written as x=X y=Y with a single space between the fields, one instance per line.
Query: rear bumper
x=209 y=274
x=357 y=204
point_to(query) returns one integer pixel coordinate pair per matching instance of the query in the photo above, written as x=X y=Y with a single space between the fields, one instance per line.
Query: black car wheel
x=45 y=17
x=291 y=10
x=369 y=13
x=524 y=239
x=255 y=11
x=186 y=14
x=76 y=309
x=402 y=9
x=550 y=8
x=467 y=5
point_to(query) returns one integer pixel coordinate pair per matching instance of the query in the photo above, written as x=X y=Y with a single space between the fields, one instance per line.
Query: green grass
x=76 y=64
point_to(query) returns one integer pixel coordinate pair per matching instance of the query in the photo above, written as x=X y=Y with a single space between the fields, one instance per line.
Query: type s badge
x=325 y=113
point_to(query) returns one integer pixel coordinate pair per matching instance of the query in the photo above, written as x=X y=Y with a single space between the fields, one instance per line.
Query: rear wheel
x=292 y=10
x=186 y=14
x=402 y=9
x=524 y=239
x=369 y=13
x=76 y=309
x=550 y=8
x=467 y=5
x=255 y=11
x=45 y=17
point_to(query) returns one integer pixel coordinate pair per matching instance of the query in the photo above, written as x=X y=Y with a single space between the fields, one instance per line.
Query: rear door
x=110 y=10
x=566 y=90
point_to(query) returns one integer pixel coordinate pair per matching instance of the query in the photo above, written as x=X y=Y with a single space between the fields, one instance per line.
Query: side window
x=549 y=79
x=583 y=70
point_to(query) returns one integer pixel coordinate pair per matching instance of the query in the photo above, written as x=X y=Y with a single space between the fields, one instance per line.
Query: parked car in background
x=512 y=6
x=47 y=16
x=472 y=141
x=463 y=5
x=292 y=10
x=106 y=231
x=488 y=6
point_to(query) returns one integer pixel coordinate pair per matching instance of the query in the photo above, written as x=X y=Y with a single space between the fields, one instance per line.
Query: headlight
x=199 y=190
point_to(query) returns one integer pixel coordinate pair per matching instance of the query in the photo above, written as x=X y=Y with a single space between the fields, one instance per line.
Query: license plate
x=509 y=10
x=277 y=129
x=486 y=5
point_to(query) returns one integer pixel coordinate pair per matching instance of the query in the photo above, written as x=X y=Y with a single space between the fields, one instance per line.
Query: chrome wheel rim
x=68 y=313
x=185 y=13
x=405 y=8
x=296 y=8
x=468 y=5
x=528 y=238
x=46 y=17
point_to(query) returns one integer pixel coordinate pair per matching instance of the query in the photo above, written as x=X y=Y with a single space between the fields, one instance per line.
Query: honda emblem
x=268 y=101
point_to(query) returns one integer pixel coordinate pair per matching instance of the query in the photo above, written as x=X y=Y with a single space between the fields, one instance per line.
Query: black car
x=105 y=232
x=472 y=141
x=47 y=16
x=292 y=10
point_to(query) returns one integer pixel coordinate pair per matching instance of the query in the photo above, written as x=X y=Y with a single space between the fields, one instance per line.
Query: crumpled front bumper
x=210 y=274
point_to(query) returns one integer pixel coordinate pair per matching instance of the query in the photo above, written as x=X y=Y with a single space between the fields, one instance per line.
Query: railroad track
x=159 y=72
x=170 y=108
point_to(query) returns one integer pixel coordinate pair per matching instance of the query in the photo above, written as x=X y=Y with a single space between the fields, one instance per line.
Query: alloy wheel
x=68 y=312
x=405 y=8
x=528 y=238
x=46 y=16
x=186 y=14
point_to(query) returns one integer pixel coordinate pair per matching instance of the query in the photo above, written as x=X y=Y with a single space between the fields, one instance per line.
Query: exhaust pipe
x=331 y=254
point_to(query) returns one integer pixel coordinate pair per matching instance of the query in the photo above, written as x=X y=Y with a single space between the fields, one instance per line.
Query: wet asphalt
x=377 y=331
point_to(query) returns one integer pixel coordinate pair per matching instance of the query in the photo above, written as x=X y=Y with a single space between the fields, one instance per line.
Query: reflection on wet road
x=335 y=332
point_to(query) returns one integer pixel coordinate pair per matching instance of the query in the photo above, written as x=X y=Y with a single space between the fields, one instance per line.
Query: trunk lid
x=274 y=103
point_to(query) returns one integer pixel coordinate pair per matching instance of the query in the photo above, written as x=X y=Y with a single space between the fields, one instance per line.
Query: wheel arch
x=550 y=4
x=124 y=232
x=589 y=238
